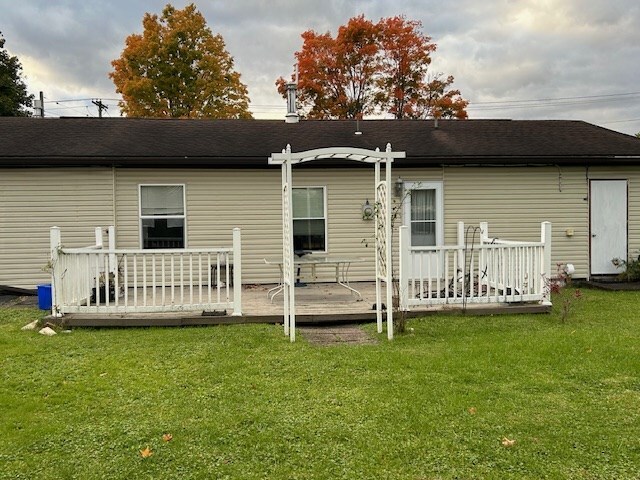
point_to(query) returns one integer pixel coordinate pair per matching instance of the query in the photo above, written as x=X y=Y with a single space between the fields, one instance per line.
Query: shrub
x=631 y=272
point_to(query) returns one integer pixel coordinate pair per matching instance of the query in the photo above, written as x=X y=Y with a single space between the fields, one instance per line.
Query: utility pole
x=101 y=106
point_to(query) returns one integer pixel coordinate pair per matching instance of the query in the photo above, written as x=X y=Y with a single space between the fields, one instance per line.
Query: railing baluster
x=107 y=287
x=227 y=262
x=153 y=278
x=135 y=280
x=116 y=280
x=182 y=279
x=190 y=278
x=218 y=276
x=209 y=277
x=162 y=277
x=446 y=276
x=144 y=280
x=97 y=277
x=200 y=278
x=412 y=282
x=173 y=280
x=436 y=257
x=125 y=260
x=454 y=276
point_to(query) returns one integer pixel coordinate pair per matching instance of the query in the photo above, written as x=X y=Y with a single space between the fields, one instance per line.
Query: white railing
x=113 y=280
x=482 y=270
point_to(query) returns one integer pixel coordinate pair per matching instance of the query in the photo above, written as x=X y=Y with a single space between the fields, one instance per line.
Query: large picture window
x=162 y=216
x=309 y=219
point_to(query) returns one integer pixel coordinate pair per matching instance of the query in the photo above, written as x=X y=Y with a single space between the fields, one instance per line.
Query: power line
x=552 y=102
x=558 y=98
x=622 y=121
x=82 y=100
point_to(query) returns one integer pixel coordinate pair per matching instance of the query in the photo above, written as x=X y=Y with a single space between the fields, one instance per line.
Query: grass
x=242 y=402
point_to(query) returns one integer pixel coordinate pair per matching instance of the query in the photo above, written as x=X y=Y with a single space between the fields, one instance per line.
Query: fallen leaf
x=506 y=442
x=473 y=410
x=167 y=437
x=146 y=453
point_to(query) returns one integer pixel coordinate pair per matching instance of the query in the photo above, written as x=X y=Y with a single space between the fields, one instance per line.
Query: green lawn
x=242 y=402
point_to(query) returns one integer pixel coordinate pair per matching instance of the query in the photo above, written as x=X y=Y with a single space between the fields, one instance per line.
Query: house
x=188 y=183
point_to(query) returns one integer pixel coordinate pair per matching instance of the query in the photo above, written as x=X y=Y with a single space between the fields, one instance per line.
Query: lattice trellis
x=381 y=229
x=286 y=233
x=286 y=160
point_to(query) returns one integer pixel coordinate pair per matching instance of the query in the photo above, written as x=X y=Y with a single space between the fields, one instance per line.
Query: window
x=162 y=216
x=309 y=219
x=424 y=213
x=423 y=218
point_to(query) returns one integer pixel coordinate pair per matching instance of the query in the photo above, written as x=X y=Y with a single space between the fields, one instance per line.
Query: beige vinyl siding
x=513 y=200
x=516 y=200
x=219 y=200
x=33 y=200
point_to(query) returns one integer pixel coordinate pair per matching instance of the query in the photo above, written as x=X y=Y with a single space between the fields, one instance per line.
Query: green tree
x=178 y=68
x=13 y=92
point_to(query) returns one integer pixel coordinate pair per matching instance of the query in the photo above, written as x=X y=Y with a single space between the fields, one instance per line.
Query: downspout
x=113 y=196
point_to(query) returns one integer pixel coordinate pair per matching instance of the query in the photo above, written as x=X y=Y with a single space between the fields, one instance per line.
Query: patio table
x=341 y=264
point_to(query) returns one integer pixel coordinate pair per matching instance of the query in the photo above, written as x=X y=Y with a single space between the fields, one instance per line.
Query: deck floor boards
x=317 y=303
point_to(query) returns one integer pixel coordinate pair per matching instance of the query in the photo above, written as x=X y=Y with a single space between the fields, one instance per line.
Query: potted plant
x=103 y=288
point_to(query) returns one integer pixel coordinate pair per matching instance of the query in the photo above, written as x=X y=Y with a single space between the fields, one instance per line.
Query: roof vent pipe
x=292 y=113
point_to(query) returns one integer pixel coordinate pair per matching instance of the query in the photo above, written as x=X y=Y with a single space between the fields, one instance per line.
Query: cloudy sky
x=520 y=59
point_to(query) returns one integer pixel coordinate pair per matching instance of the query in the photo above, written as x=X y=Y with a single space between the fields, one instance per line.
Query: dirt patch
x=18 y=301
x=336 y=335
x=614 y=285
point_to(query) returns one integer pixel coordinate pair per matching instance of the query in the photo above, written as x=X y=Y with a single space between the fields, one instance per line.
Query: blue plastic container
x=44 y=297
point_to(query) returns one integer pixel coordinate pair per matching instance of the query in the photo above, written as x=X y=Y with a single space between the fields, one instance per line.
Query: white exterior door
x=424 y=215
x=608 y=224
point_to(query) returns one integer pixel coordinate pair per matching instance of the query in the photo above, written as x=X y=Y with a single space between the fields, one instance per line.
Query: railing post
x=484 y=232
x=99 y=245
x=237 y=273
x=405 y=266
x=99 y=237
x=545 y=268
x=111 y=245
x=55 y=243
x=461 y=248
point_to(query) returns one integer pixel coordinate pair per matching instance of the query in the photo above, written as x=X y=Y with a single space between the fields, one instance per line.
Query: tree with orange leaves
x=372 y=68
x=178 y=68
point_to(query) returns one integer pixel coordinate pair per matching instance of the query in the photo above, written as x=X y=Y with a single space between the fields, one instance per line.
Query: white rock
x=30 y=326
x=48 y=331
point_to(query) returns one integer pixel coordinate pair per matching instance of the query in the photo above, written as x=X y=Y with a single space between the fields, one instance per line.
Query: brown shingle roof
x=137 y=141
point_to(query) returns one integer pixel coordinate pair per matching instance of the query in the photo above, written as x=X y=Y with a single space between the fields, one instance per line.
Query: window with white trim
x=309 y=219
x=424 y=213
x=162 y=216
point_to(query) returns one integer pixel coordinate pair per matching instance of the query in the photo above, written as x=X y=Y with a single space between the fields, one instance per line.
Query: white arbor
x=383 y=259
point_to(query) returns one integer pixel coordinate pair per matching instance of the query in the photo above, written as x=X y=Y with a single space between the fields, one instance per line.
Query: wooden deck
x=317 y=303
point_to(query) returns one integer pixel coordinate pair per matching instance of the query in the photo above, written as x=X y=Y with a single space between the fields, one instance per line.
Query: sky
x=518 y=59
